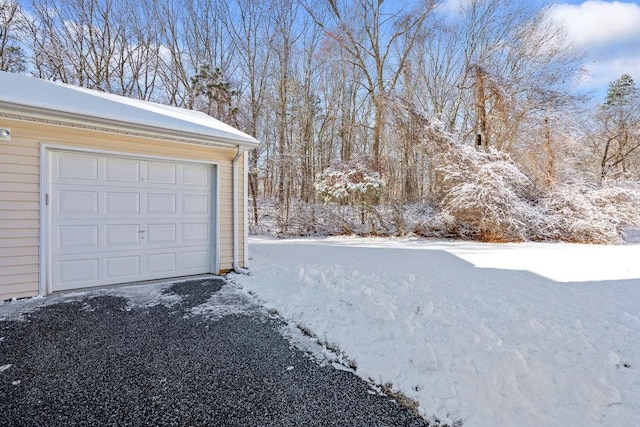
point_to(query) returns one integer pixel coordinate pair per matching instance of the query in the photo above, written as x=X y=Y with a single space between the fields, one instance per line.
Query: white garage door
x=117 y=219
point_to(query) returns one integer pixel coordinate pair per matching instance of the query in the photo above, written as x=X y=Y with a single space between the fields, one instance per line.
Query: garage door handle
x=141 y=232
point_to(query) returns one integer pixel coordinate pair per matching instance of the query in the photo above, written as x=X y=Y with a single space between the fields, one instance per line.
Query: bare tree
x=74 y=41
x=102 y=44
x=370 y=31
x=12 y=25
x=137 y=62
x=250 y=30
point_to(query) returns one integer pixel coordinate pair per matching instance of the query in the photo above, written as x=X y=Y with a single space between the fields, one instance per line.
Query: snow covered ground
x=489 y=334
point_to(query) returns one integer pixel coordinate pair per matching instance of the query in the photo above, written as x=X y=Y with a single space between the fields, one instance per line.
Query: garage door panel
x=122 y=170
x=161 y=173
x=195 y=233
x=72 y=202
x=161 y=234
x=195 y=204
x=195 y=259
x=76 y=166
x=161 y=203
x=197 y=175
x=77 y=272
x=122 y=266
x=162 y=263
x=118 y=219
x=72 y=238
x=122 y=203
x=122 y=235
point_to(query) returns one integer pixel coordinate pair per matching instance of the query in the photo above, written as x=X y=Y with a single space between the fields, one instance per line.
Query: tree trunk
x=481 y=112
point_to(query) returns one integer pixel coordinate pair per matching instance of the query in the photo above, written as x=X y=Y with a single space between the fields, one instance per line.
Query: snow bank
x=504 y=344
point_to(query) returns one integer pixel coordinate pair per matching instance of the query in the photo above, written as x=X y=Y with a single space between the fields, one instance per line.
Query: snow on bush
x=490 y=199
x=353 y=182
x=486 y=194
x=591 y=215
x=477 y=194
x=426 y=221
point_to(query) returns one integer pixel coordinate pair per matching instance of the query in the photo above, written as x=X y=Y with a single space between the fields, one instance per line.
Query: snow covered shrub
x=354 y=182
x=486 y=193
x=425 y=221
x=591 y=215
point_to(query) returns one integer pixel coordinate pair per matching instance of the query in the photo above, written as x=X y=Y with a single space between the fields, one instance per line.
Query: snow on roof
x=32 y=95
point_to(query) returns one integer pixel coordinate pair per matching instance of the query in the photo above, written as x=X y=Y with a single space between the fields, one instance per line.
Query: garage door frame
x=46 y=183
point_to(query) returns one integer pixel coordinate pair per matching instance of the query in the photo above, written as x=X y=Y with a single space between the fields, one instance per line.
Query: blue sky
x=608 y=32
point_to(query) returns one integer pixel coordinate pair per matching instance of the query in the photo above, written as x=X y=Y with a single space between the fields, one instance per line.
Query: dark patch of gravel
x=195 y=292
x=96 y=362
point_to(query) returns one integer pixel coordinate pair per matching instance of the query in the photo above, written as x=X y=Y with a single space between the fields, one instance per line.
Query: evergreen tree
x=622 y=92
x=212 y=94
x=620 y=117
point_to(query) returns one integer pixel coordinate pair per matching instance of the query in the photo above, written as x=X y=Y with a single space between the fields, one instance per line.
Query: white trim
x=54 y=146
x=234 y=201
x=43 y=268
x=93 y=124
x=45 y=282
x=215 y=240
x=246 y=210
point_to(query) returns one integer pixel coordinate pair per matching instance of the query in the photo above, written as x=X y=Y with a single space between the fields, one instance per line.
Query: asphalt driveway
x=98 y=358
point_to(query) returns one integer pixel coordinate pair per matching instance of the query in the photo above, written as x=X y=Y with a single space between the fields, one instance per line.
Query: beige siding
x=19 y=192
x=19 y=215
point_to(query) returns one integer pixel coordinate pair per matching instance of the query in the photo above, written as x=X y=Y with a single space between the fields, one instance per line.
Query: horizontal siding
x=18 y=243
x=21 y=169
x=17 y=205
x=18 y=260
x=19 y=290
x=19 y=196
x=20 y=286
x=29 y=281
x=16 y=178
x=25 y=252
x=19 y=160
x=9 y=270
x=21 y=214
x=17 y=150
x=19 y=192
x=21 y=187
x=19 y=218
x=7 y=233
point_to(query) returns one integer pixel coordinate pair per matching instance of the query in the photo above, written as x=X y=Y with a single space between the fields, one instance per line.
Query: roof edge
x=62 y=118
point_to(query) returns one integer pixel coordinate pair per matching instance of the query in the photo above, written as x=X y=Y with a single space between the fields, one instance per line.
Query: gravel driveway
x=188 y=354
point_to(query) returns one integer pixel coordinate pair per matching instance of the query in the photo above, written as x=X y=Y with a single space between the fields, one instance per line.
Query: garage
x=98 y=189
x=122 y=218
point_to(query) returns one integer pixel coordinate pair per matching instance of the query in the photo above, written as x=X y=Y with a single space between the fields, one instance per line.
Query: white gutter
x=234 y=170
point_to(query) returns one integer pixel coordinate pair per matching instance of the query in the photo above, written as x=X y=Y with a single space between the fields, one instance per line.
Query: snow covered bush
x=486 y=194
x=426 y=221
x=354 y=182
x=577 y=213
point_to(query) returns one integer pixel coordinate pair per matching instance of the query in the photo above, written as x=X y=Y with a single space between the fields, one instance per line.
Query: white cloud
x=451 y=6
x=604 y=72
x=599 y=22
x=608 y=33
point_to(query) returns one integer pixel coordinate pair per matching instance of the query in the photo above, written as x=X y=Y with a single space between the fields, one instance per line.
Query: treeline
x=354 y=100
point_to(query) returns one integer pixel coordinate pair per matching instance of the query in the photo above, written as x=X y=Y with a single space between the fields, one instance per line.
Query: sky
x=608 y=32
